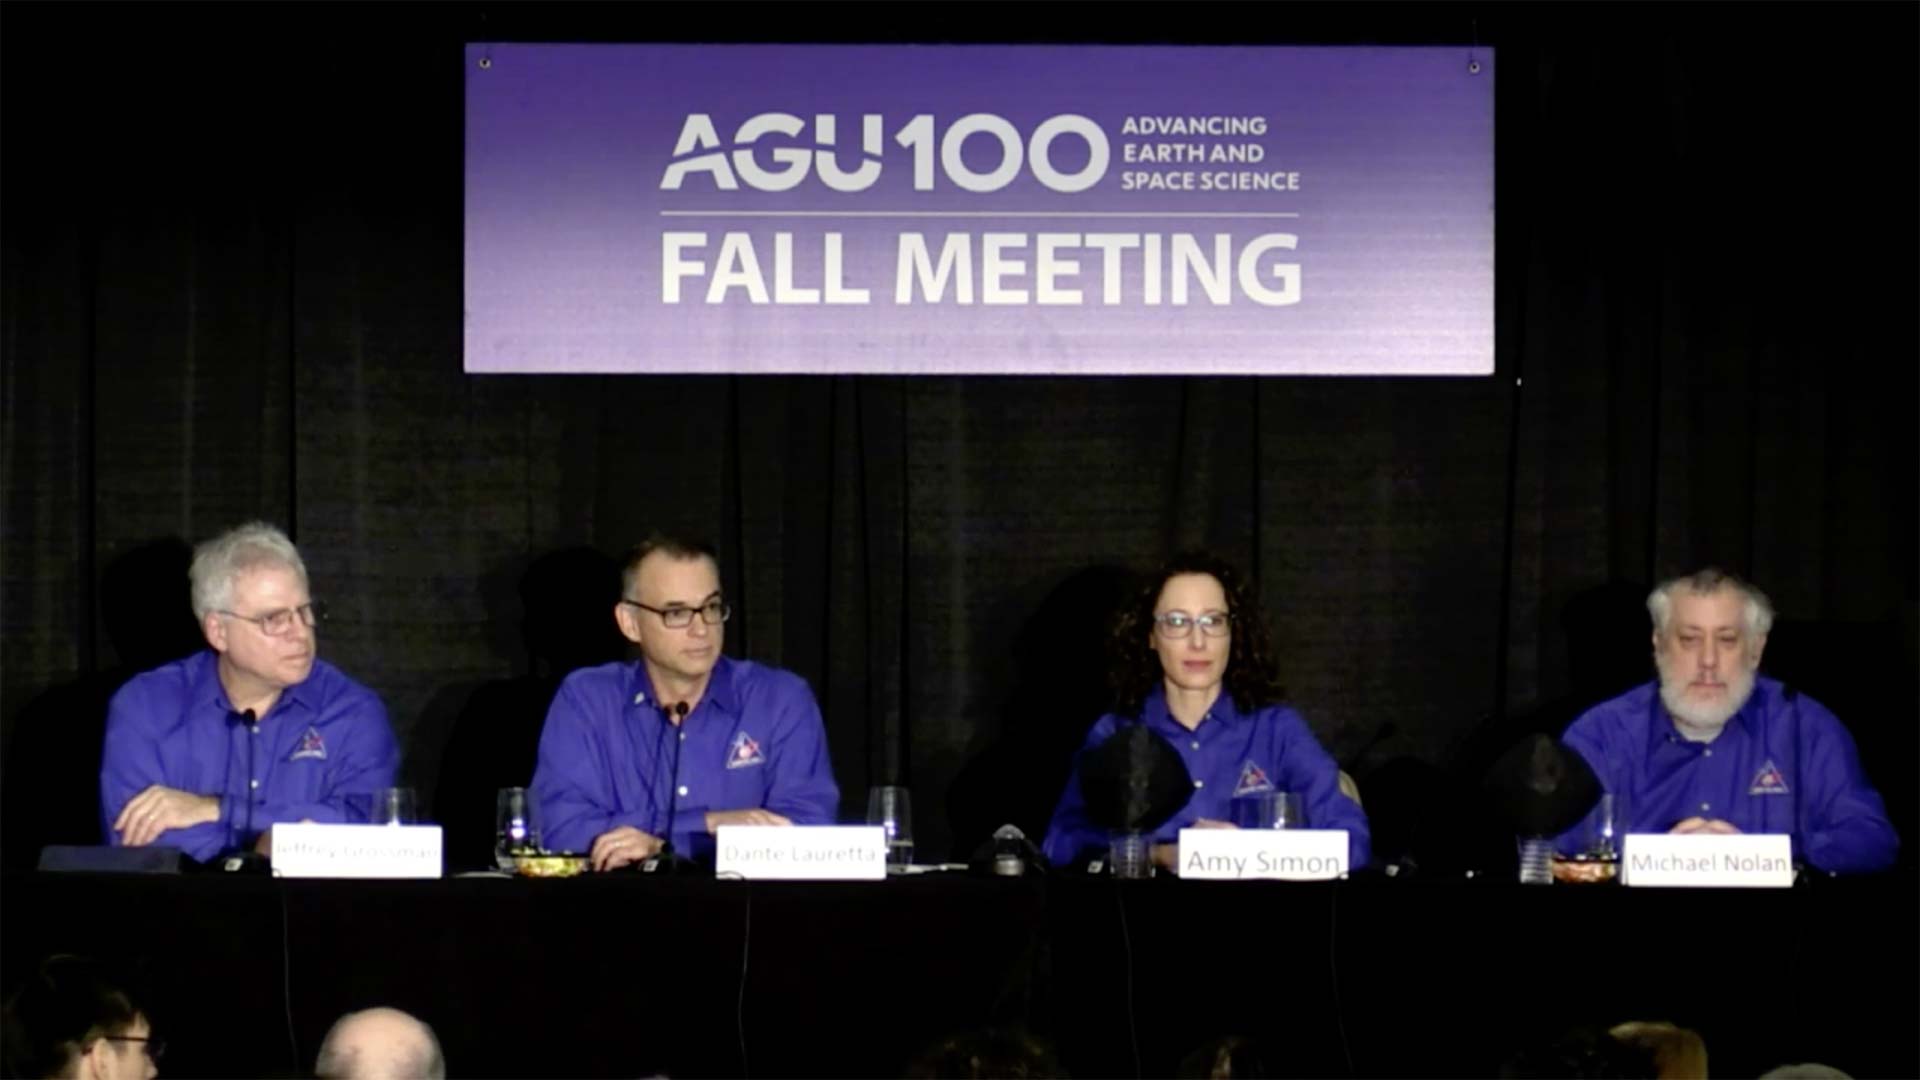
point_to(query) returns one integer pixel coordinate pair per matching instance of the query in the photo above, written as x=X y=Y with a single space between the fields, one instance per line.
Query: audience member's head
x=73 y=1019
x=1224 y=1059
x=1006 y=1053
x=1806 y=1070
x=380 y=1043
x=1678 y=1053
x=1583 y=1052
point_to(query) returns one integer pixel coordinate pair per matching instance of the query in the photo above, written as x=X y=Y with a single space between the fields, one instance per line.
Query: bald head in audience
x=380 y=1044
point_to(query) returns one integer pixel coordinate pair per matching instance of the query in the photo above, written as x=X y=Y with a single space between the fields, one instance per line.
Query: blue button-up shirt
x=324 y=740
x=1230 y=753
x=606 y=755
x=1783 y=764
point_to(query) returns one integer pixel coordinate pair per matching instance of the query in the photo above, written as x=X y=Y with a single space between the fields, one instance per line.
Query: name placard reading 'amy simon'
x=979 y=209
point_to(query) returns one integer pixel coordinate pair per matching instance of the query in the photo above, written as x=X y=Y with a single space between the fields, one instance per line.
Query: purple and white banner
x=892 y=209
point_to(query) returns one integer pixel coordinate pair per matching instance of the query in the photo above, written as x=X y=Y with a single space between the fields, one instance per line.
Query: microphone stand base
x=667 y=864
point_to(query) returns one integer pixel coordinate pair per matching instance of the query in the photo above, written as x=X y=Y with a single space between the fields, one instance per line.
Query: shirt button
x=256 y=784
x=1199 y=783
x=1706 y=753
x=1703 y=806
x=683 y=789
x=1196 y=744
x=683 y=736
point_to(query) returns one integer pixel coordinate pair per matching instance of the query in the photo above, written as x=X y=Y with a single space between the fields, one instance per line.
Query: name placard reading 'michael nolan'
x=356 y=851
x=1263 y=854
x=1708 y=859
x=802 y=852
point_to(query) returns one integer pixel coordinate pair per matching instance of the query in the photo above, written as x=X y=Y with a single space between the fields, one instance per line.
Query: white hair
x=1756 y=610
x=219 y=561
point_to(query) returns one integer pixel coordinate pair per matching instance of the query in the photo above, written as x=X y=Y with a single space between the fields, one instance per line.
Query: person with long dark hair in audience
x=74 y=1019
x=1194 y=662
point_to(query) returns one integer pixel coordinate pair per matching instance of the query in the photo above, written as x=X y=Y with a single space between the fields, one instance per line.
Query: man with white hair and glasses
x=1714 y=747
x=208 y=753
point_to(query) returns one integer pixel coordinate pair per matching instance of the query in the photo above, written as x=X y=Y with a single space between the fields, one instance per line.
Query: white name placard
x=1745 y=860
x=801 y=852
x=1269 y=854
x=356 y=851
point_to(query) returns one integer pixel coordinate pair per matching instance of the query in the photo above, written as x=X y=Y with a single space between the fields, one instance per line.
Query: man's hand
x=1705 y=825
x=160 y=808
x=620 y=847
x=754 y=816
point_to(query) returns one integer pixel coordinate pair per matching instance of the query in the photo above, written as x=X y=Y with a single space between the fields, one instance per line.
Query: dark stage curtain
x=232 y=289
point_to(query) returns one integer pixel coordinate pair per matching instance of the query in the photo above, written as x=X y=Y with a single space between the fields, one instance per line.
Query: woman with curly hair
x=1196 y=631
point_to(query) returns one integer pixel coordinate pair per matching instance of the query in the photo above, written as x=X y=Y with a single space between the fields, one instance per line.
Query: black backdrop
x=232 y=289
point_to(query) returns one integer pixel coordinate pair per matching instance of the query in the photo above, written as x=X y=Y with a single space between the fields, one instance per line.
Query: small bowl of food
x=550 y=864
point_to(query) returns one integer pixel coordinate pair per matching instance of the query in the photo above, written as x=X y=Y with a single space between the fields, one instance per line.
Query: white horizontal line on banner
x=979 y=213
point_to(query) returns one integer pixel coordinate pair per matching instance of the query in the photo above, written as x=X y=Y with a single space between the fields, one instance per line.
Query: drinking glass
x=516 y=829
x=892 y=808
x=393 y=806
x=1596 y=856
x=1130 y=854
x=1268 y=810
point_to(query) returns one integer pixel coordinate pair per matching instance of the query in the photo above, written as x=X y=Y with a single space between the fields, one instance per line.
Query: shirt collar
x=208 y=690
x=1740 y=724
x=720 y=689
x=1154 y=710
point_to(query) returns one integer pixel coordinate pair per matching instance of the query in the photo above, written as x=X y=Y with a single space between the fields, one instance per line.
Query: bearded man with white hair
x=1715 y=747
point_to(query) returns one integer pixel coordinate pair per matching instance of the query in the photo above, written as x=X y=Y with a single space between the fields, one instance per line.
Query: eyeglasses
x=1175 y=625
x=712 y=612
x=155 y=1047
x=280 y=623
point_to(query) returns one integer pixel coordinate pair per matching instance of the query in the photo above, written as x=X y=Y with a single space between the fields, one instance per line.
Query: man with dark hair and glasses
x=72 y=1019
x=206 y=754
x=684 y=740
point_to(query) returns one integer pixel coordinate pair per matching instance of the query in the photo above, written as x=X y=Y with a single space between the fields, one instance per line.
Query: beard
x=1706 y=717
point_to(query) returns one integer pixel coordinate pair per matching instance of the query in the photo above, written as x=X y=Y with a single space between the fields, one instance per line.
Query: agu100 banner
x=896 y=209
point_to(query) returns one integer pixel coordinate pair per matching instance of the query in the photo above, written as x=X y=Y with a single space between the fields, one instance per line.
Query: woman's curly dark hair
x=1253 y=674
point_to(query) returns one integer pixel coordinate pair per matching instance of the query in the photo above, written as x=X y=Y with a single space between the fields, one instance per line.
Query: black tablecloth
x=626 y=976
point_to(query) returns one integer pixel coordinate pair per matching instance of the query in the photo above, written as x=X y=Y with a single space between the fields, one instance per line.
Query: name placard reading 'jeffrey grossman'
x=1707 y=859
x=1263 y=854
x=801 y=852
x=313 y=850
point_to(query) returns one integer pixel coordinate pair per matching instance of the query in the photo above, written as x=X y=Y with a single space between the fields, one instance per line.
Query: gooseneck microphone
x=666 y=860
x=243 y=859
x=252 y=724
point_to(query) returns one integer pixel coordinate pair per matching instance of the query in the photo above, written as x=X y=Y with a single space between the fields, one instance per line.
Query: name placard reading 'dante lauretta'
x=802 y=852
x=314 y=850
x=1708 y=859
x=1263 y=854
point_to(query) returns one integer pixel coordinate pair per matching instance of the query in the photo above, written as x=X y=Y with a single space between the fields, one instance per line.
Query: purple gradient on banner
x=567 y=221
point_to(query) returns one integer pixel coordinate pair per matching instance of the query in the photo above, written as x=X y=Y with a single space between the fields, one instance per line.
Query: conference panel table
x=625 y=975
